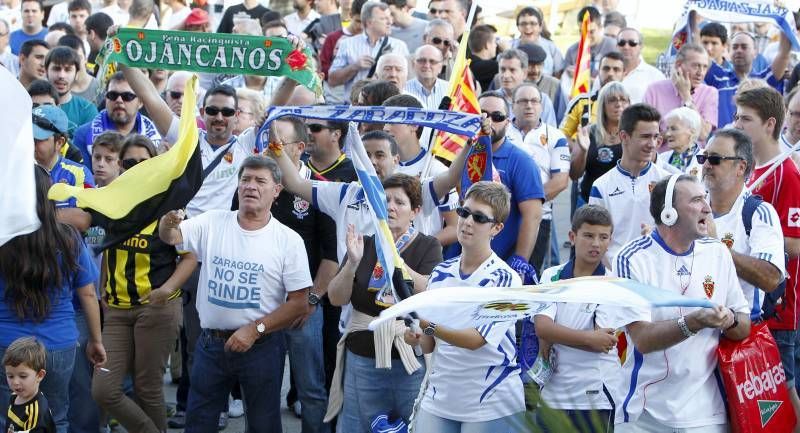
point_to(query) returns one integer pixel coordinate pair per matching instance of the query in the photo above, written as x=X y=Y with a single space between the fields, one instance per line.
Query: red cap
x=196 y=17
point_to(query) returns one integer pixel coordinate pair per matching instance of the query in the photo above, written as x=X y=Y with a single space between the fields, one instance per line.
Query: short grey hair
x=522 y=86
x=514 y=53
x=631 y=29
x=688 y=117
x=742 y=146
x=432 y=24
x=368 y=9
x=176 y=76
x=258 y=162
x=141 y=9
x=687 y=48
x=389 y=56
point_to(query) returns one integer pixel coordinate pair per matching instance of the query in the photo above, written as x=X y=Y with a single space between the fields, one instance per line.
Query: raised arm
x=157 y=108
x=168 y=227
x=444 y=182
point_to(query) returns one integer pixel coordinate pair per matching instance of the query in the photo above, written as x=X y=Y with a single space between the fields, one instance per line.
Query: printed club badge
x=228 y=157
x=708 y=286
x=543 y=140
x=300 y=208
x=727 y=240
x=693 y=171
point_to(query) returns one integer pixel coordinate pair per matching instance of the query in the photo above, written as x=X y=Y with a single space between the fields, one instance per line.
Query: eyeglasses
x=43 y=123
x=434 y=11
x=496 y=116
x=478 y=217
x=532 y=101
x=39 y=104
x=631 y=43
x=316 y=128
x=129 y=163
x=716 y=159
x=175 y=95
x=438 y=40
x=226 y=111
x=126 y=96
x=427 y=61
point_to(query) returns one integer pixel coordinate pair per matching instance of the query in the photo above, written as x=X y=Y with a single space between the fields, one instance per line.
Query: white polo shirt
x=677 y=386
x=548 y=147
x=246 y=274
x=580 y=376
x=764 y=243
x=627 y=199
x=637 y=81
x=483 y=384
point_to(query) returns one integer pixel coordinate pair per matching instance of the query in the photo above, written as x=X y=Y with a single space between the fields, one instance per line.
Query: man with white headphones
x=668 y=381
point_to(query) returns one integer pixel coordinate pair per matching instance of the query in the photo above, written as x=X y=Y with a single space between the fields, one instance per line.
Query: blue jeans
x=259 y=372
x=370 y=391
x=55 y=386
x=308 y=370
x=427 y=422
x=787 y=345
x=84 y=415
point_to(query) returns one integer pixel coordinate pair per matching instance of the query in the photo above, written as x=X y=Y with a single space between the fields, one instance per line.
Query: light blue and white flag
x=18 y=200
x=735 y=11
x=462 y=307
x=450 y=121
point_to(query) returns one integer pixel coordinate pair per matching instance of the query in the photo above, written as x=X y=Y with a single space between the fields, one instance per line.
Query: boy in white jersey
x=583 y=334
x=548 y=147
x=668 y=380
x=625 y=189
x=758 y=256
x=474 y=383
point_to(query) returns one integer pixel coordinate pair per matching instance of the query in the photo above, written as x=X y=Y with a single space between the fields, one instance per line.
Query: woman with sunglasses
x=382 y=375
x=598 y=146
x=682 y=131
x=142 y=301
x=474 y=384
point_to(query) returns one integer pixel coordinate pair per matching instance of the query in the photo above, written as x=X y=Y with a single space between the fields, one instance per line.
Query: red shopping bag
x=755 y=384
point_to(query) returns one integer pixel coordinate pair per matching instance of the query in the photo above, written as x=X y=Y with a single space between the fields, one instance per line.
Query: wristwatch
x=260 y=327
x=685 y=328
x=313 y=298
x=430 y=329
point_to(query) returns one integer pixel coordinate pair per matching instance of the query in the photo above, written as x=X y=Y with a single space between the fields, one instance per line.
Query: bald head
x=393 y=67
x=428 y=62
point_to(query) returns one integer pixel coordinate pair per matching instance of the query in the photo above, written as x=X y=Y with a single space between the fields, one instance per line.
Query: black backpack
x=771 y=299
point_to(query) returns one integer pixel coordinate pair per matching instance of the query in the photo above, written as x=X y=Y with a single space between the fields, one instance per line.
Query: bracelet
x=735 y=320
x=685 y=328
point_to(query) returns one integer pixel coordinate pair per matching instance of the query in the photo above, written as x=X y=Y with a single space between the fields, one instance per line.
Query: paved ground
x=291 y=424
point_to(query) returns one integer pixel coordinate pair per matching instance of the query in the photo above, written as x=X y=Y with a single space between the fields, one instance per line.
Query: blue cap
x=49 y=120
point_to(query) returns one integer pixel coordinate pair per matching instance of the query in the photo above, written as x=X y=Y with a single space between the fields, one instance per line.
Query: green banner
x=218 y=53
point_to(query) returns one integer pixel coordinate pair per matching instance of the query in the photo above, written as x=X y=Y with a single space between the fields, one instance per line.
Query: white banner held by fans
x=18 y=200
x=737 y=11
x=462 y=307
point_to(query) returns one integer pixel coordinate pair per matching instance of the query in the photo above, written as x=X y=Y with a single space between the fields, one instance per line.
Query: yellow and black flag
x=148 y=190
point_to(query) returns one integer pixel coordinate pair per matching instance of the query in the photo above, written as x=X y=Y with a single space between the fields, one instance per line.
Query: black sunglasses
x=496 y=116
x=317 y=127
x=37 y=104
x=476 y=216
x=126 y=96
x=226 y=111
x=129 y=163
x=175 y=95
x=43 y=123
x=437 y=41
x=630 y=42
x=715 y=159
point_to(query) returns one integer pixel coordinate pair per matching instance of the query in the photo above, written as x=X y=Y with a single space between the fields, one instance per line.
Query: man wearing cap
x=49 y=136
x=638 y=74
x=545 y=83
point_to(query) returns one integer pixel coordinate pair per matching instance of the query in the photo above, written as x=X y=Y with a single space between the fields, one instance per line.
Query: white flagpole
x=774 y=167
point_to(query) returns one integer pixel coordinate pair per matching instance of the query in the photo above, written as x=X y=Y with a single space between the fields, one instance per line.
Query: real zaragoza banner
x=212 y=52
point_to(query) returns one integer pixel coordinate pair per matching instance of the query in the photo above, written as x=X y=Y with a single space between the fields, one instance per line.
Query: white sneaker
x=235 y=408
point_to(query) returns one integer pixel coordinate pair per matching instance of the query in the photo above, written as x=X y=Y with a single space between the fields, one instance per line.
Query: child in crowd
x=28 y=411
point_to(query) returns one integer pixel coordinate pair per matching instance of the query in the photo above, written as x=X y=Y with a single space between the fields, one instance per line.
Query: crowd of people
x=677 y=177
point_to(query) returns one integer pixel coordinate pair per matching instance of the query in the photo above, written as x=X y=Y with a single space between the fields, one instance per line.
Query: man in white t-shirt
x=253 y=284
x=304 y=13
x=625 y=189
x=413 y=159
x=668 y=380
x=638 y=73
x=584 y=357
x=549 y=148
x=758 y=255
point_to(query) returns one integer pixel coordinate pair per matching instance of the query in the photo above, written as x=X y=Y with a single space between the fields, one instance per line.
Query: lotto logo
x=756 y=385
x=794 y=217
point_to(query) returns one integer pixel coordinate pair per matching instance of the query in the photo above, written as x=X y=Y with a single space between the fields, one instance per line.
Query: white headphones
x=669 y=216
